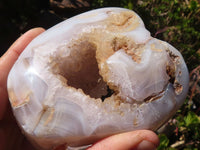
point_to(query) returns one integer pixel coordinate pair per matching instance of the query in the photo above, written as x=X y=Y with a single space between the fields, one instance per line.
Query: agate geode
x=93 y=75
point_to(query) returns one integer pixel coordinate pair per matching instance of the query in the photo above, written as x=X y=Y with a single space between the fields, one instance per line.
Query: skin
x=11 y=136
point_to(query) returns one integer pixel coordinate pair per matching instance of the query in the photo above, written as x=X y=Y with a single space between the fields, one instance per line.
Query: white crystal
x=56 y=85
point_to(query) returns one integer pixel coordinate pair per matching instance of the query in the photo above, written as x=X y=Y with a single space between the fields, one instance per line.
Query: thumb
x=135 y=140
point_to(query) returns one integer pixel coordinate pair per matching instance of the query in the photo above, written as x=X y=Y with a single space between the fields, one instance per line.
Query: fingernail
x=146 y=145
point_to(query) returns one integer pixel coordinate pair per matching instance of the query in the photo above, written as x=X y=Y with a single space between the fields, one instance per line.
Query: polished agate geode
x=94 y=75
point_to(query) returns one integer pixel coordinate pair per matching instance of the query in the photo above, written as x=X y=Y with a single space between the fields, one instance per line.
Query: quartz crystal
x=94 y=75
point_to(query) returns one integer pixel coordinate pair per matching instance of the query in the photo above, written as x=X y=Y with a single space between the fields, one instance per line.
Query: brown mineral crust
x=117 y=101
x=16 y=102
x=175 y=58
x=104 y=47
x=171 y=73
x=155 y=49
x=135 y=121
x=153 y=97
x=50 y=117
x=27 y=62
x=129 y=46
x=178 y=87
x=121 y=22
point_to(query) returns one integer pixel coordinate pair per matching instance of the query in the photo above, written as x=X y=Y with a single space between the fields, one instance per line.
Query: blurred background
x=174 y=21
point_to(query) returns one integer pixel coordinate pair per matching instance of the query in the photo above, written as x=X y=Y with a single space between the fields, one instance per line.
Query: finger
x=26 y=145
x=2 y=140
x=12 y=137
x=135 y=140
x=7 y=61
x=61 y=147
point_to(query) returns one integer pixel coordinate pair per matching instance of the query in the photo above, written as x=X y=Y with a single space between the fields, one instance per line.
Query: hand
x=10 y=135
x=134 y=140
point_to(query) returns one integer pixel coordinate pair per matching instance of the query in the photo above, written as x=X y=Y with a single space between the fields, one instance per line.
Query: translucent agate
x=94 y=75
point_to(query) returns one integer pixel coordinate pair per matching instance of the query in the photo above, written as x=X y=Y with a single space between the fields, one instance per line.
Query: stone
x=95 y=75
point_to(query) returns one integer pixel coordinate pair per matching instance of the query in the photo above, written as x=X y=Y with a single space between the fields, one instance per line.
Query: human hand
x=10 y=135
